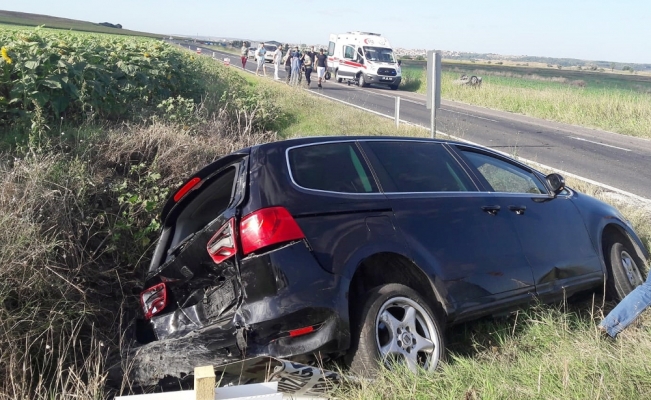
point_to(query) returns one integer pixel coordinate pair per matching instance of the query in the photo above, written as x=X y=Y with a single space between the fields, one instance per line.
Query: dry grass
x=82 y=214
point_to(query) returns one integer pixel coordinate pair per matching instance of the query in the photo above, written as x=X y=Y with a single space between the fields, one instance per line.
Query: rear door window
x=332 y=167
x=417 y=167
x=503 y=176
x=210 y=202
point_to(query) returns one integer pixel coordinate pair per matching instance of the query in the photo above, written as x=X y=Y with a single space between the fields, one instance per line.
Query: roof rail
x=364 y=33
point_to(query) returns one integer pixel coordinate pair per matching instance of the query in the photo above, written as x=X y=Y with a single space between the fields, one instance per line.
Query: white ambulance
x=363 y=58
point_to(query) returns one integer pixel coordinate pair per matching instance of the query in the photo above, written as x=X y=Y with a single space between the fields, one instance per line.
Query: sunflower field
x=47 y=75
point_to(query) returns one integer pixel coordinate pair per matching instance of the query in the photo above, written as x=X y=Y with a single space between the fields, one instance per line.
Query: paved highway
x=620 y=161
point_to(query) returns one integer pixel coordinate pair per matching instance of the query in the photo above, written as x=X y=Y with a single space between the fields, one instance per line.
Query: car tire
x=362 y=81
x=339 y=78
x=394 y=87
x=394 y=324
x=624 y=269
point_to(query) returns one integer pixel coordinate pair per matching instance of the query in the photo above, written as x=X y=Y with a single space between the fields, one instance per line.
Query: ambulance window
x=331 y=48
x=349 y=52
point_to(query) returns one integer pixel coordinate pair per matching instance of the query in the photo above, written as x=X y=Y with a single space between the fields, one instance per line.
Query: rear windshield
x=212 y=200
x=333 y=167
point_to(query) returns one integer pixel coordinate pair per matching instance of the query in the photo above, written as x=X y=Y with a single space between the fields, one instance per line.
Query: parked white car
x=269 y=55
x=251 y=53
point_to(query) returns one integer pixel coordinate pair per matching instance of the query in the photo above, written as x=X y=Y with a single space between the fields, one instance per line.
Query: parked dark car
x=365 y=248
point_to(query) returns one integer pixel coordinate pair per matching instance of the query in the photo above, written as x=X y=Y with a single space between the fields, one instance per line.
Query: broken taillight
x=266 y=227
x=222 y=245
x=154 y=300
x=186 y=188
x=262 y=228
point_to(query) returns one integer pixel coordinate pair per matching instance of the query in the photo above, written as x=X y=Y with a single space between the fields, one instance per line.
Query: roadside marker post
x=204 y=383
x=397 y=111
x=433 y=86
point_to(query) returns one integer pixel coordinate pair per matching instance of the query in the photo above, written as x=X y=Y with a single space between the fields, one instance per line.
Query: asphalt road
x=620 y=161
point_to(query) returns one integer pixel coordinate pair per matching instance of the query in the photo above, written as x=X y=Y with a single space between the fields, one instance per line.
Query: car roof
x=340 y=138
x=304 y=141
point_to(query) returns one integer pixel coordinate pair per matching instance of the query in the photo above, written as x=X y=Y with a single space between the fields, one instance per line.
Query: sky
x=617 y=31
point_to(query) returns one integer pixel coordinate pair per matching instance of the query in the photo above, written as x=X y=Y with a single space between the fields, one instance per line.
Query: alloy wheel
x=630 y=269
x=405 y=332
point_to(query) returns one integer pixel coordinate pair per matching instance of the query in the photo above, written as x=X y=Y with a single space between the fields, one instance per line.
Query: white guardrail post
x=397 y=111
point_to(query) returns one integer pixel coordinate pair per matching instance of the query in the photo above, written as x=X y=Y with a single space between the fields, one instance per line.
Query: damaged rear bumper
x=288 y=307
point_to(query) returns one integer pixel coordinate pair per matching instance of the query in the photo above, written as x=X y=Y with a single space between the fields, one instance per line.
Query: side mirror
x=399 y=62
x=556 y=182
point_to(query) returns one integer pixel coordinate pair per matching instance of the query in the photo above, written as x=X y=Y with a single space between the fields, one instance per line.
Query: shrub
x=85 y=76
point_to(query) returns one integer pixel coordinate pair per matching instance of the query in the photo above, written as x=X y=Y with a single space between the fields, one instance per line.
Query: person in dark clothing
x=288 y=65
x=321 y=64
x=308 y=63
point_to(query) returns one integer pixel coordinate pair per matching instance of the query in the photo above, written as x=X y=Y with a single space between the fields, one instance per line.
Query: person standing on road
x=259 y=55
x=296 y=67
x=628 y=309
x=288 y=65
x=308 y=62
x=321 y=63
x=244 y=54
x=278 y=56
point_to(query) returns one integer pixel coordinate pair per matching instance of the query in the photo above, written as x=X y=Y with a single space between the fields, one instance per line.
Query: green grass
x=547 y=352
x=616 y=105
x=13 y=19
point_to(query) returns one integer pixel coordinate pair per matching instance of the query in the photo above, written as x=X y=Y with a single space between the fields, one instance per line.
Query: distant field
x=614 y=102
x=25 y=19
x=606 y=79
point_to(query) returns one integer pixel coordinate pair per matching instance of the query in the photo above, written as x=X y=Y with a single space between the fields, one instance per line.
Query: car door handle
x=492 y=210
x=518 y=209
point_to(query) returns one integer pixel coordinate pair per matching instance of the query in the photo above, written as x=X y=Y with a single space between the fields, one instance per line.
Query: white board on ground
x=257 y=391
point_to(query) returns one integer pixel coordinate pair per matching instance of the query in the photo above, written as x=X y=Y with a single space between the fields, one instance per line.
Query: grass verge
x=547 y=352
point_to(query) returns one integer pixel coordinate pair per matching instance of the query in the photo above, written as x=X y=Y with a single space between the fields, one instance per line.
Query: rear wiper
x=181 y=244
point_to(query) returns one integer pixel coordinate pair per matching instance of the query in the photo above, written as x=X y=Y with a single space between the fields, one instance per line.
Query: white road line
x=356 y=106
x=422 y=104
x=521 y=159
x=600 y=144
x=470 y=115
x=386 y=95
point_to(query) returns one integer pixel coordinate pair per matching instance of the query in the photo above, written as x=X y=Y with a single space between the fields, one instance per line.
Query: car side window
x=503 y=176
x=333 y=167
x=349 y=52
x=419 y=167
